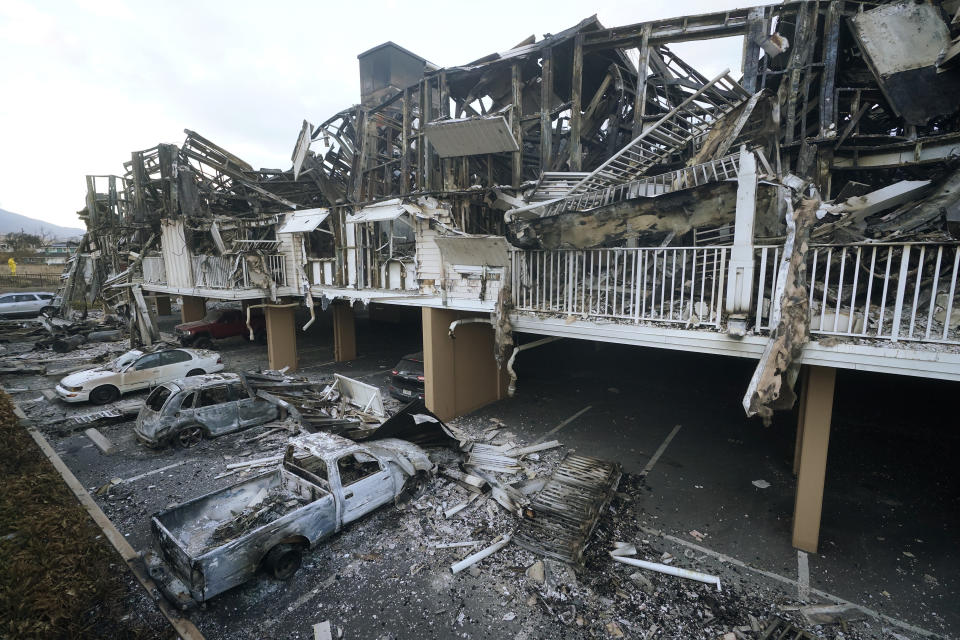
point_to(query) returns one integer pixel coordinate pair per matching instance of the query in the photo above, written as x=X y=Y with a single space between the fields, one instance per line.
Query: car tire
x=196 y=372
x=414 y=486
x=189 y=437
x=104 y=394
x=48 y=310
x=203 y=342
x=260 y=336
x=283 y=561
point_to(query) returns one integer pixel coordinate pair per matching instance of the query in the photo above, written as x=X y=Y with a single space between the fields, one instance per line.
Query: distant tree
x=22 y=241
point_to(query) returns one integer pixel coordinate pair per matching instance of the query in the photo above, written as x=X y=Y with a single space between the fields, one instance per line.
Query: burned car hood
x=187 y=326
x=403 y=452
x=80 y=378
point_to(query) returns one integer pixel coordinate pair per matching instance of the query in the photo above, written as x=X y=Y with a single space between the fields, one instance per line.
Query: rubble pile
x=450 y=520
x=320 y=406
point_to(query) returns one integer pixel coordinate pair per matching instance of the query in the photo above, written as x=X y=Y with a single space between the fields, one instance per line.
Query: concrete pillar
x=192 y=308
x=460 y=375
x=816 y=411
x=344 y=332
x=281 y=337
x=163 y=305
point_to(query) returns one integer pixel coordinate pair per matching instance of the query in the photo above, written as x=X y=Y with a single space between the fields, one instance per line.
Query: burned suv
x=188 y=410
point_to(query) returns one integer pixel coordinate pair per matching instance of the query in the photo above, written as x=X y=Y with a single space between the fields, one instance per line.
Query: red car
x=219 y=324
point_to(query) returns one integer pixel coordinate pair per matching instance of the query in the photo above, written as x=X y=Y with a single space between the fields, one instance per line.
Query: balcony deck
x=219 y=277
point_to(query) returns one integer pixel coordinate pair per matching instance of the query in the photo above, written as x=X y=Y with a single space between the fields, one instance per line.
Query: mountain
x=13 y=222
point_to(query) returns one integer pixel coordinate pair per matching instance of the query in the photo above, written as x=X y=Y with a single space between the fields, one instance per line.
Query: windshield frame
x=133 y=356
x=172 y=391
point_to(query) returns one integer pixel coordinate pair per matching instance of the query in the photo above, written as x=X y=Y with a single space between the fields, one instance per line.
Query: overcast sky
x=85 y=82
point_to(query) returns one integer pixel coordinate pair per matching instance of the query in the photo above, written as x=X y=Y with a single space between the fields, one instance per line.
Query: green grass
x=59 y=577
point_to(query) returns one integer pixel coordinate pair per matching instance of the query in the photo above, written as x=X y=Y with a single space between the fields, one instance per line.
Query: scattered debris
x=624 y=549
x=777 y=628
x=499 y=543
x=537 y=572
x=321 y=631
x=831 y=614
x=761 y=484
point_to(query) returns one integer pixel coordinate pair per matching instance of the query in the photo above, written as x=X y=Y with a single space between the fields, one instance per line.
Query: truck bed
x=203 y=524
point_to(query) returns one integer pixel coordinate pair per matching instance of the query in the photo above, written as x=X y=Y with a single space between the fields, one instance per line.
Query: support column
x=344 y=332
x=192 y=308
x=460 y=375
x=816 y=411
x=281 y=337
x=163 y=305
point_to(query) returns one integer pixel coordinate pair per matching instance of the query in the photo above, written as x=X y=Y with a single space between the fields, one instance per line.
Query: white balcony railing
x=154 y=271
x=233 y=271
x=896 y=292
x=276 y=267
x=680 y=285
x=891 y=292
x=217 y=272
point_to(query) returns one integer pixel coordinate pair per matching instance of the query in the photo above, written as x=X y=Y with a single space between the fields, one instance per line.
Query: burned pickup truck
x=220 y=540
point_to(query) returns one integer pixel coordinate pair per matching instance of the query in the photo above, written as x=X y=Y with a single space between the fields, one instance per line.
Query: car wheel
x=260 y=336
x=283 y=561
x=414 y=486
x=48 y=311
x=196 y=372
x=104 y=394
x=203 y=342
x=189 y=437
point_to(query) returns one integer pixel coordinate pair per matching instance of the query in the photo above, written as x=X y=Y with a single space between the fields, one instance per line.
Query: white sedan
x=137 y=370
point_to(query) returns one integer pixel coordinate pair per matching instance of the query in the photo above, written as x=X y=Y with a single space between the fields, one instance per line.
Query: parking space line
x=302 y=600
x=367 y=375
x=724 y=558
x=803 y=575
x=561 y=425
x=314 y=366
x=160 y=470
x=659 y=452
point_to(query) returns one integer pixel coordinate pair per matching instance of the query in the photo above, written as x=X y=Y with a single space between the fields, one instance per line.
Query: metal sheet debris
x=561 y=516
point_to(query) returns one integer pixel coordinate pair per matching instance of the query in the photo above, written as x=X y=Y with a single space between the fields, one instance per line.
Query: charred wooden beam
x=712 y=204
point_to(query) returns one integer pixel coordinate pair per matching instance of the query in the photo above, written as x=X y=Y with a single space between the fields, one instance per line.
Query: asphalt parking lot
x=673 y=420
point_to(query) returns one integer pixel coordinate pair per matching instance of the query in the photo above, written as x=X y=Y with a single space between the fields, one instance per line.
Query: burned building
x=801 y=210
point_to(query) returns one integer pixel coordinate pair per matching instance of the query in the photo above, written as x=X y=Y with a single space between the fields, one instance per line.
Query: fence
x=680 y=285
x=30 y=281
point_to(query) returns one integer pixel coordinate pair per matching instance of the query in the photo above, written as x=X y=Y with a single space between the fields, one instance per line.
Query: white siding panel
x=176 y=257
